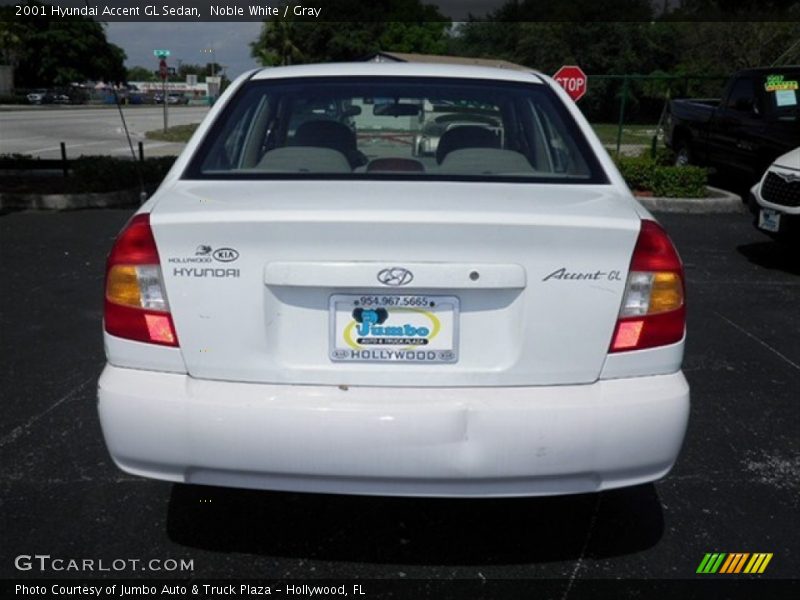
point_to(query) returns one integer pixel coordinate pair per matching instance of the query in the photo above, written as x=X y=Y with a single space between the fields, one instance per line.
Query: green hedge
x=86 y=174
x=14 y=99
x=104 y=173
x=644 y=174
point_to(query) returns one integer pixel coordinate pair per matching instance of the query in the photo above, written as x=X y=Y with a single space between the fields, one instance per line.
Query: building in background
x=445 y=60
x=6 y=80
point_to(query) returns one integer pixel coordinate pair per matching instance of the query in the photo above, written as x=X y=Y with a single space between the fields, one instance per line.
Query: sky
x=185 y=41
x=229 y=39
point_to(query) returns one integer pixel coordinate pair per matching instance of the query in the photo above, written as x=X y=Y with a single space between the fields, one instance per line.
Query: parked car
x=427 y=140
x=776 y=198
x=40 y=97
x=177 y=98
x=172 y=98
x=756 y=121
x=507 y=321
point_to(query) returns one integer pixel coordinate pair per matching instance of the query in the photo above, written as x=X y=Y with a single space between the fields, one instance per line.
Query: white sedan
x=777 y=196
x=316 y=309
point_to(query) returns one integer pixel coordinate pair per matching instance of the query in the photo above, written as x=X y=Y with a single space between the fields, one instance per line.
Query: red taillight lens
x=136 y=306
x=653 y=311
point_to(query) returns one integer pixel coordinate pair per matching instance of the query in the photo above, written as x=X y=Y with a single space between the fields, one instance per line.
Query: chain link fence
x=627 y=111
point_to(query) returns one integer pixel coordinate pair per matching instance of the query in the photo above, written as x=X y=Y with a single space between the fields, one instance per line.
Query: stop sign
x=573 y=80
x=162 y=69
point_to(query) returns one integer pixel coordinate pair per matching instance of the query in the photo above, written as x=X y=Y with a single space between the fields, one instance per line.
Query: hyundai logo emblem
x=395 y=276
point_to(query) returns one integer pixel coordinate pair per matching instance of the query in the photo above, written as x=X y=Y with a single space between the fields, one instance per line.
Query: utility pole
x=212 y=81
x=211 y=50
x=163 y=71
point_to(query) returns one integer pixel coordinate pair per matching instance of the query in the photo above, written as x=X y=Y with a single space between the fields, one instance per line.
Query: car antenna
x=137 y=166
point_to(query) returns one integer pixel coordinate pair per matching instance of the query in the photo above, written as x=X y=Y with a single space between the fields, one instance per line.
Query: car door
x=738 y=125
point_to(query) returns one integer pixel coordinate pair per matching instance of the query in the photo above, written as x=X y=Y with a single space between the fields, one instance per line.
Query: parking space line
x=22 y=429
x=25 y=139
x=579 y=562
x=759 y=340
x=69 y=146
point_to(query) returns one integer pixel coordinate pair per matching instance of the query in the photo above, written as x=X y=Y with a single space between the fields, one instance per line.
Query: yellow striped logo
x=734 y=563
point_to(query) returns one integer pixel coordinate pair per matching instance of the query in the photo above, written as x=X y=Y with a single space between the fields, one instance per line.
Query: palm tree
x=275 y=45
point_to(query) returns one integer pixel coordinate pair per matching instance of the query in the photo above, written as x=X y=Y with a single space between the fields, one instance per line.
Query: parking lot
x=91 y=130
x=736 y=487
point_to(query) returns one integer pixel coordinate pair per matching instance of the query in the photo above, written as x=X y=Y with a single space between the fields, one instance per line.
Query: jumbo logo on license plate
x=394 y=328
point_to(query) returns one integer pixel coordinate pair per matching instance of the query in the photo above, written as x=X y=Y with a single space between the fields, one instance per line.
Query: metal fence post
x=64 y=163
x=622 y=112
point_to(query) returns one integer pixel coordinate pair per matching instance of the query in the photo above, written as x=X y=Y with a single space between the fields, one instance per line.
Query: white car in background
x=777 y=196
x=319 y=310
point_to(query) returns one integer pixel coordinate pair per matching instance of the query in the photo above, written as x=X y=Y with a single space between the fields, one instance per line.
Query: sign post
x=573 y=80
x=163 y=72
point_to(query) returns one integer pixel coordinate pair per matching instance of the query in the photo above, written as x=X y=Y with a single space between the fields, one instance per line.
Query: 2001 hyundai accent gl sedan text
x=308 y=304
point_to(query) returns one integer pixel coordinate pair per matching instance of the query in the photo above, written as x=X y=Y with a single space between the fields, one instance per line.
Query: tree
x=10 y=41
x=57 y=52
x=141 y=74
x=388 y=25
x=545 y=35
x=276 y=44
x=723 y=47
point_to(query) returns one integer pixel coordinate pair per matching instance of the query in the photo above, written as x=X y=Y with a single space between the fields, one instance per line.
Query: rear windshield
x=397 y=128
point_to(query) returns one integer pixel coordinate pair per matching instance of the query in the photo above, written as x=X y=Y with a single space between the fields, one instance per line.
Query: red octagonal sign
x=573 y=80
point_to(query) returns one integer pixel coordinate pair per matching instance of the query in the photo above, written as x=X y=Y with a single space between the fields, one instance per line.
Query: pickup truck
x=757 y=120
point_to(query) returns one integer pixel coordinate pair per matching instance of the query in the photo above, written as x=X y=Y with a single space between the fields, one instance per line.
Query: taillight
x=136 y=306
x=653 y=311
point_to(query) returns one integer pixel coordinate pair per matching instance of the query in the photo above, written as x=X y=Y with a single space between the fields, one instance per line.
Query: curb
x=118 y=199
x=719 y=201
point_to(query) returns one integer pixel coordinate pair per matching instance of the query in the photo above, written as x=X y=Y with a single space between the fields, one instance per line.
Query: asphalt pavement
x=735 y=488
x=39 y=130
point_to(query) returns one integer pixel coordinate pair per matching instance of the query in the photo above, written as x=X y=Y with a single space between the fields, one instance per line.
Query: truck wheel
x=683 y=155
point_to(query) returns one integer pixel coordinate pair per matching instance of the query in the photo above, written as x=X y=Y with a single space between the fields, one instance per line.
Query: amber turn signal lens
x=666 y=293
x=122 y=286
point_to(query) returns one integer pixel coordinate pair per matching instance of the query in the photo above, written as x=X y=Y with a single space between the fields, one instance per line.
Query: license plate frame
x=399 y=320
x=769 y=220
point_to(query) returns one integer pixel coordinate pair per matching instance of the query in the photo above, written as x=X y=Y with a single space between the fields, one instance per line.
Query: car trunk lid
x=528 y=277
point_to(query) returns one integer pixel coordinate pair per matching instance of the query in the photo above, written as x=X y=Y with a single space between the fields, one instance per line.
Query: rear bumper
x=514 y=441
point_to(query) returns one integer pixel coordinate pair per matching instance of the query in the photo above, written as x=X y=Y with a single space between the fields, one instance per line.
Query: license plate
x=393 y=328
x=769 y=220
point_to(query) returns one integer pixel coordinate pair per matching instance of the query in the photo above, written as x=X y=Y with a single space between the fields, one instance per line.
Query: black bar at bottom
x=702 y=587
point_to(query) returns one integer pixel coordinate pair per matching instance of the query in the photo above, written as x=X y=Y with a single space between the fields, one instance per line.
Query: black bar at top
x=398 y=10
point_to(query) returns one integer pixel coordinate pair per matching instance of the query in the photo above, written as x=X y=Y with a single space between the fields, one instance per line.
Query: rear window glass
x=401 y=128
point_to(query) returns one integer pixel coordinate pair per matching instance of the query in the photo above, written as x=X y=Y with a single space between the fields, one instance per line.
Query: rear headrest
x=304 y=159
x=329 y=134
x=466 y=136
